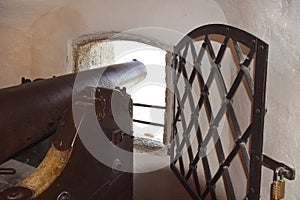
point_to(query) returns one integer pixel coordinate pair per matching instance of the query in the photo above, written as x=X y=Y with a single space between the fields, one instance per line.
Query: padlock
x=278 y=187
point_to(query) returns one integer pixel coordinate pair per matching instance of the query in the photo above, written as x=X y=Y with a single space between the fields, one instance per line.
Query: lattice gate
x=209 y=106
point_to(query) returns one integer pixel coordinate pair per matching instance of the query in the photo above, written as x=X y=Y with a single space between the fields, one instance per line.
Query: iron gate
x=206 y=102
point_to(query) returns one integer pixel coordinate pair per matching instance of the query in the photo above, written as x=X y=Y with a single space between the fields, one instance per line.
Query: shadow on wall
x=15 y=55
x=49 y=43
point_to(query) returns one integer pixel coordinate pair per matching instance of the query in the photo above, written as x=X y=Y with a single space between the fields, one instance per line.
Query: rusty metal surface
x=93 y=179
x=32 y=111
x=16 y=193
x=84 y=177
x=71 y=171
x=47 y=172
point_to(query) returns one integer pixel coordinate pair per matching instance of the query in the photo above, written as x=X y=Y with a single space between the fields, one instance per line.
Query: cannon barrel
x=31 y=112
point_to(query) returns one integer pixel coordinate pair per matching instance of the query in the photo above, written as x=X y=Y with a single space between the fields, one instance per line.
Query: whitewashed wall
x=35 y=33
x=277 y=22
x=16 y=21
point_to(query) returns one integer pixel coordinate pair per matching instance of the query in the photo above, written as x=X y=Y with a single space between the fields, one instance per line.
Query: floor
x=161 y=184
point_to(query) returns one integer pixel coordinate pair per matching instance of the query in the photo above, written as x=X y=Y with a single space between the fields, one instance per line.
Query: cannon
x=43 y=110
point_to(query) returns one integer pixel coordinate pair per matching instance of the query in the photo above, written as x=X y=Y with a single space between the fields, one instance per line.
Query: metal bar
x=274 y=165
x=219 y=149
x=213 y=125
x=220 y=29
x=148 y=106
x=216 y=64
x=221 y=51
x=258 y=120
x=192 y=123
x=179 y=154
x=193 y=51
x=184 y=183
x=226 y=176
x=149 y=123
x=237 y=134
x=210 y=48
x=238 y=51
x=200 y=141
x=235 y=84
x=198 y=61
x=242 y=72
x=203 y=100
x=228 y=186
x=227 y=161
x=187 y=93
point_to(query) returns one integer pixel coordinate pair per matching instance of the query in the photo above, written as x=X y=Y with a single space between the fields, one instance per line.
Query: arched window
x=149 y=96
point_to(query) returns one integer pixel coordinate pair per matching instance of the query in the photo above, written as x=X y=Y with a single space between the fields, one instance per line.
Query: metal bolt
x=116 y=166
x=258 y=111
x=64 y=196
x=257 y=157
x=262 y=47
x=15 y=195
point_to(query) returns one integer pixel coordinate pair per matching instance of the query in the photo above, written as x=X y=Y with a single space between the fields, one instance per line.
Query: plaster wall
x=45 y=28
x=15 y=55
x=277 y=22
x=16 y=21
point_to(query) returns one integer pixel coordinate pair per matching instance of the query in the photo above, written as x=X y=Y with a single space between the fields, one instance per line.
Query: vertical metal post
x=258 y=120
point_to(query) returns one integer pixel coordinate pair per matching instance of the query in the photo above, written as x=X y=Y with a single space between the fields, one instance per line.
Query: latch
x=281 y=172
